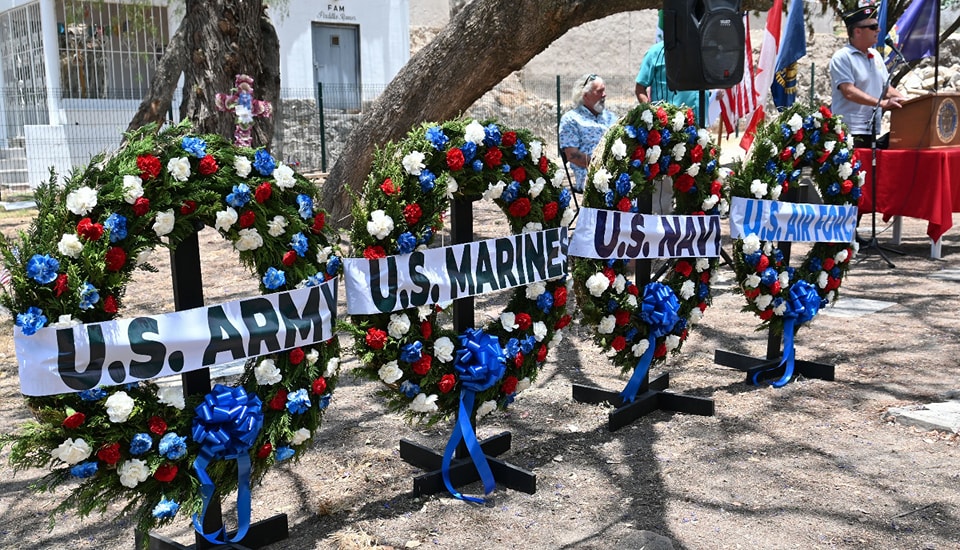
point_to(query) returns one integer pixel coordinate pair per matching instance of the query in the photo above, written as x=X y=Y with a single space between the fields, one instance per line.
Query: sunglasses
x=873 y=27
x=590 y=78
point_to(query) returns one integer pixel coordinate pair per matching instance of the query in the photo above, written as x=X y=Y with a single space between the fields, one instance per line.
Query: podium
x=926 y=121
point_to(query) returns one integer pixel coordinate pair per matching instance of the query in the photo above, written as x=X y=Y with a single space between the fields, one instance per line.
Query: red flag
x=739 y=101
x=763 y=75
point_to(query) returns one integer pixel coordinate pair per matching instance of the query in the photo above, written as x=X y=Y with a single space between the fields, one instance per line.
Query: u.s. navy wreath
x=104 y=428
x=782 y=296
x=654 y=147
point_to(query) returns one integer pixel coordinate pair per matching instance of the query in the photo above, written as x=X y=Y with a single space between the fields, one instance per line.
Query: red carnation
x=846 y=186
x=74 y=421
x=622 y=317
x=374 y=252
x=376 y=338
x=660 y=350
x=639 y=153
x=509 y=139
x=751 y=293
x=247 y=219
x=683 y=183
x=447 y=382
x=422 y=366
x=560 y=296
x=654 y=170
x=786 y=154
x=167 y=471
x=109 y=453
x=766 y=314
x=696 y=154
x=624 y=204
x=653 y=138
x=689 y=117
x=149 y=166
x=662 y=115
x=705 y=277
x=319 y=221
x=672 y=168
x=633 y=290
x=263 y=192
x=828 y=264
x=188 y=207
x=264 y=452
x=296 y=356
x=509 y=385
x=518 y=360
x=541 y=354
x=775 y=288
x=550 y=210
x=610 y=275
x=412 y=213
x=279 y=400
x=825 y=111
x=115 y=258
x=715 y=188
x=388 y=187
x=798 y=136
x=492 y=157
x=762 y=263
x=518 y=174
x=60 y=285
x=157 y=425
x=319 y=386
x=562 y=322
x=426 y=330
x=523 y=321
x=619 y=343
x=208 y=165
x=289 y=257
x=683 y=267
x=141 y=206
x=543 y=165
x=702 y=306
x=519 y=208
x=455 y=159
x=89 y=230
x=110 y=304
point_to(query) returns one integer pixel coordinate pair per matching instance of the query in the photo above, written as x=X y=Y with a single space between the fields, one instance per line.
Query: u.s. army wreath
x=123 y=437
x=782 y=296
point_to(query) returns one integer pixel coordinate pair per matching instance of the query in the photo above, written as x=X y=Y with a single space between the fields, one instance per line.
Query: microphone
x=889 y=42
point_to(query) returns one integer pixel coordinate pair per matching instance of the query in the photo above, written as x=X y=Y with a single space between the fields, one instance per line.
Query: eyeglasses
x=590 y=78
x=873 y=27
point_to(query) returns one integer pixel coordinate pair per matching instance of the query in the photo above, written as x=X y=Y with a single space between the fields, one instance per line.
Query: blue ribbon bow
x=803 y=305
x=226 y=426
x=660 y=310
x=480 y=364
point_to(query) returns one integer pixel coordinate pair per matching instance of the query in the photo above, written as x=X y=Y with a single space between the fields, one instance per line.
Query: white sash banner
x=610 y=234
x=443 y=274
x=792 y=222
x=81 y=357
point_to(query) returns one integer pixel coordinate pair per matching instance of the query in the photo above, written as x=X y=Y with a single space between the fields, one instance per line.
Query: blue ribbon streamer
x=660 y=310
x=480 y=364
x=803 y=305
x=226 y=426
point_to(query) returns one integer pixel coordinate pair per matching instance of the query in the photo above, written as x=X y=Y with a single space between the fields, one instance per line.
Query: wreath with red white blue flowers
x=654 y=144
x=137 y=443
x=405 y=195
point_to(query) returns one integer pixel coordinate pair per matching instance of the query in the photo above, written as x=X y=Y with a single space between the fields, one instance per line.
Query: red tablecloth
x=918 y=183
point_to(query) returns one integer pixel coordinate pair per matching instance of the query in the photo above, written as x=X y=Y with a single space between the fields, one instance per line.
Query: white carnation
x=70 y=245
x=653 y=155
x=687 y=289
x=423 y=312
x=780 y=309
x=323 y=254
x=632 y=301
x=672 y=341
x=443 y=349
x=640 y=348
x=452 y=186
x=65 y=321
x=398 y=326
x=597 y=284
x=132 y=188
x=72 y=451
x=312 y=356
x=536 y=150
x=424 y=403
x=179 y=168
x=380 y=224
x=775 y=192
x=494 y=190
x=693 y=170
x=763 y=301
x=390 y=372
x=300 y=436
x=82 y=201
x=283 y=175
x=486 y=408
x=277 y=226
x=784 y=279
x=413 y=163
x=119 y=406
x=799 y=150
x=474 y=132
x=710 y=202
x=844 y=170
x=822 y=279
x=171 y=396
x=133 y=472
x=618 y=149
x=607 y=324
x=242 y=165
x=539 y=331
x=768 y=247
x=841 y=256
x=601 y=180
x=226 y=219
x=751 y=243
x=249 y=239
x=679 y=120
x=724 y=207
x=509 y=321
x=828 y=146
x=703 y=137
x=679 y=150
x=567 y=217
x=163 y=225
x=619 y=283
x=758 y=189
x=267 y=373
x=534 y=290
x=752 y=281
x=537 y=187
x=702 y=264
x=532 y=227
x=695 y=316
x=557 y=338
x=647 y=118
x=795 y=123
x=333 y=367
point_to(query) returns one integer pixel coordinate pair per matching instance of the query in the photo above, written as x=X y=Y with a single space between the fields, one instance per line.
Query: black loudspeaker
x=703 y=43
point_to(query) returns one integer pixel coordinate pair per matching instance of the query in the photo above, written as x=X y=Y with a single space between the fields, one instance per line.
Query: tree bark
x=156 y=103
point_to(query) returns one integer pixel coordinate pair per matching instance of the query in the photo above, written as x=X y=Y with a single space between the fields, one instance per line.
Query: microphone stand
x=873 y=245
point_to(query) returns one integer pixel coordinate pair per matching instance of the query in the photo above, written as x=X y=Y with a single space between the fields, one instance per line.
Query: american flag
x=5 y=276
x=741 y=100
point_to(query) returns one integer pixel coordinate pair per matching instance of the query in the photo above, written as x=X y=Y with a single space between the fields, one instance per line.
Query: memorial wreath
x=142 y=442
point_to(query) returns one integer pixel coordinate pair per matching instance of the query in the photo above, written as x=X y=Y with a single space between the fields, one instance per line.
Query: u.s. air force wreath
x=395 y=290
x=652 y=145
x=785 y=297
x=106 y=431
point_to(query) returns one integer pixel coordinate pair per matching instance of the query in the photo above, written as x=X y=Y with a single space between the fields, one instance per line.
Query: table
x=919 y=183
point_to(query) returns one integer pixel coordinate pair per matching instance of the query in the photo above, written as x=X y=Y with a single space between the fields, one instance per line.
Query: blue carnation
x=770 y=166
x=680 y=326
x=612 y=305
x=505 y=168
x=469 y=150
x=781 y=177
x=777 y=302
x=815 y=137
x=298 y=402
x=406 y=242
x=117 y=225
x=324 y=401
x=42 y=269
x=808 y=122
x=545 y=302
x=855 y=193
x=703 y=290
x=815 y=265
x=635 y=164
x=791 y=272
x=833 y=189
x=691 y=134
x=664 y=162
x=333 y=265
x=427 y=236
x=409 y=389
x=769 y=276
x=711 y=165
x=785 y=131
x=31 y=321
x=305 y=206
x=642 y=135
x=835 y=272
x=411 y=353
x=491 y=135
x=665 y=137
x=89 y=296
x=165 y=509
x=512 y=348
x=264 y=163
x=608 y=199
x=195 y=146
x=299 y=244
x=84 y=469
x=316 y=279
x=477 y=165
x=173 y=446
x=94 y=394
x=631 y=334
x=437 y=138
x=623 y=184
x=511 y=193
x=753 y=258
x=519 y=150
x=274 y=278
x=564 y=199
x=427 y=180
x=284 y=452
x=526 y=345
x=240 y=196
x=141 y=443
x=778 y=255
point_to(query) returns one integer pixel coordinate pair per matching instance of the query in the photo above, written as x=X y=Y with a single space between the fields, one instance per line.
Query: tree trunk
x=487 y=41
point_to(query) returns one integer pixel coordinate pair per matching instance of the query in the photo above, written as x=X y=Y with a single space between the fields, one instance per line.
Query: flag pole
x=936 y=51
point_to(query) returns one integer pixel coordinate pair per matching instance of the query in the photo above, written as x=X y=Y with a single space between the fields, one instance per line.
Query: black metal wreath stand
x=769 y=368
x=462 y=470
x=188 y=293
x=652 y=395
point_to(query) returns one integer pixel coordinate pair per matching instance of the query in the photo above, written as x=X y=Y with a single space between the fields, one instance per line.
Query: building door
x=336 y=63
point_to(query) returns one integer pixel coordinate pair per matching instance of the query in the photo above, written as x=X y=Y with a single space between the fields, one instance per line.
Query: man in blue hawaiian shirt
x=582 y=127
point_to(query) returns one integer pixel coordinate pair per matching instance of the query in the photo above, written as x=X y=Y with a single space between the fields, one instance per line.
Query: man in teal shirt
x=652 y=83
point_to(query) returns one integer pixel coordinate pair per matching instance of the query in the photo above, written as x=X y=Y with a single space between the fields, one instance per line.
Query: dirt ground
x=812 y=465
